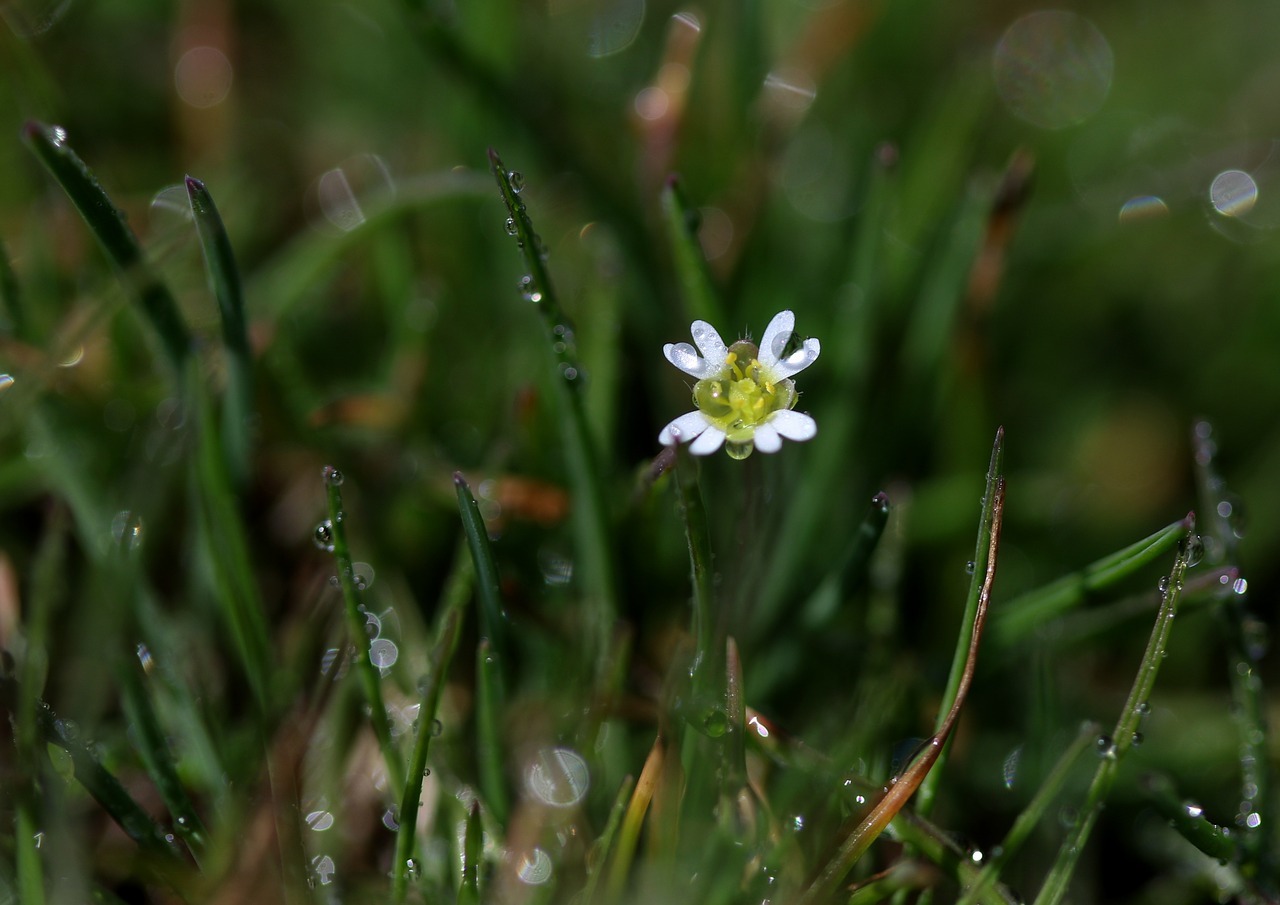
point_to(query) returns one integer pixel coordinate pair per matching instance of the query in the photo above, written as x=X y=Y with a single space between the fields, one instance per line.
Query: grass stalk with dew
x=700 y=297
x=1112 y=748
x=332 y=534
x=592 y=526
x=1245 y=636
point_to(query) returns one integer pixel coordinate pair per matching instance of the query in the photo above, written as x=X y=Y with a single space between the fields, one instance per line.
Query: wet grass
x=340 y=560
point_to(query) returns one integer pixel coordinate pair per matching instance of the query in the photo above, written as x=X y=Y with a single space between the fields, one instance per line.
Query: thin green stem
x=1113 y=748
x=488 y=589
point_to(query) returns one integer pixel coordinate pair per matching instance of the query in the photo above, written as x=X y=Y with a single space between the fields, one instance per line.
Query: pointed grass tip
x=193 y=185
x=459 y=480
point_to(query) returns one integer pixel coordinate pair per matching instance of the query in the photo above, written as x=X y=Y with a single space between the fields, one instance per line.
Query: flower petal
x=683 y=356
x=792 y=425
x=683 y=429
x=775 y=339
x=711 y=440
x=709 y=343
x=776 y=336
x=766 y=438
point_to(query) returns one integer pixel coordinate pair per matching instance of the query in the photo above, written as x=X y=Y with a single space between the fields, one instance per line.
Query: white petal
x=684 y=429
x=798 y=360
x=776 y=336
x=709 y=343
x=792 y=425
x=766 y=438
x=683 y=356
x=711 y=440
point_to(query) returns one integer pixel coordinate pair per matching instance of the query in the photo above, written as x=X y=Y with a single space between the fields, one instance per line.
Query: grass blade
x=472 y=857
x=979 y=586
x=603 y=848
x=708 y=677
x=492 y=619
x=456 y=593
x=1021 y=616
x=335 y=531
x=224 y=280
x=592 y=529
x=702 y=302
x=1114 y=747
x=489 y=748
x=629 y=834
x=107 y=223
x=11 y=299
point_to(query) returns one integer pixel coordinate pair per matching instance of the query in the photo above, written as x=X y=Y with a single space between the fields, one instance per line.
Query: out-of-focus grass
x=179 y=662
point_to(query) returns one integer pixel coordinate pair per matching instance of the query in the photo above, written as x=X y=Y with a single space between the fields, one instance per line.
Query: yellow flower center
x=739 y=398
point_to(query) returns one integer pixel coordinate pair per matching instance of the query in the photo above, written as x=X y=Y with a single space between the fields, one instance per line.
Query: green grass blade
x=851 y=569
x=457 y=591
x=224 y=280
x=335 y=530
x=1189 y=820
x=149 y=741
x=492 y=619
x=939 y=847
x=709 y=674
x=1020 y=617
x=1031 y=815
x=592 y=528
x=30 y=879
x=1113 y=748
x=107 y=223
x=226 y=549
x=981 y=563
x=489 y=748
x=702 y=302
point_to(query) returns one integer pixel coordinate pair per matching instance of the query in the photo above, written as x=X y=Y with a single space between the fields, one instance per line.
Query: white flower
x=744 y=394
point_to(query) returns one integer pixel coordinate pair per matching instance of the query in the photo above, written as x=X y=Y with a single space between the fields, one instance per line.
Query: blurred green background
x=1065 y=223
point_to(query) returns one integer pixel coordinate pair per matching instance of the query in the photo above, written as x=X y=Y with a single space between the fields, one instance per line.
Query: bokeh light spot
x=1233 y=193
x=1053 y=68
x=614 y=27
x=203 y=77
x=1143 y=207
x=558 y=777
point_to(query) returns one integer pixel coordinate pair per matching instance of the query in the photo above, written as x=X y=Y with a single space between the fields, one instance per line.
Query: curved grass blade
x=1188 y=819
x=905 y=784
x=979 y=588
x=629 y=834
x=1030 y=816
x=457 y=592
x=492 y=619
x=224 y=280
x=1113 y=748
x=852 y=567
x=592 y=529
x=1022 y=615
x=370 y=679
x=701 y=299
x=107 y=223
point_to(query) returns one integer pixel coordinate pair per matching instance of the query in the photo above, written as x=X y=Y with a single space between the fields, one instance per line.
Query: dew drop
x=1163 y=586
x=1143 y=708
x=738 y=450
x=362 y=575
x=1195 y=551
x=1193 y=810
x=57 y=135
x=1138 y=739
x=568 y=372
x=512 y=228
x=437 y=728
x=517 y=181
x=970 y=566
x=1105 y=746
x=715 y=723
x=323 y=536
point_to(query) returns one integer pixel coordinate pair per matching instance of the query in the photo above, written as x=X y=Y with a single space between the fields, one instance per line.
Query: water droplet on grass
x=323 y=536
x=437 y=728
x=1193 y=810
x=1105 y=746
x=970 y=566
x=512 y=228
x=332 y=476
x=1195 y=551
x=517 y=181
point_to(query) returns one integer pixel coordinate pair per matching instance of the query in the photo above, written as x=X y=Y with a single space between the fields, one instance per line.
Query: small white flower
x=744 y=394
